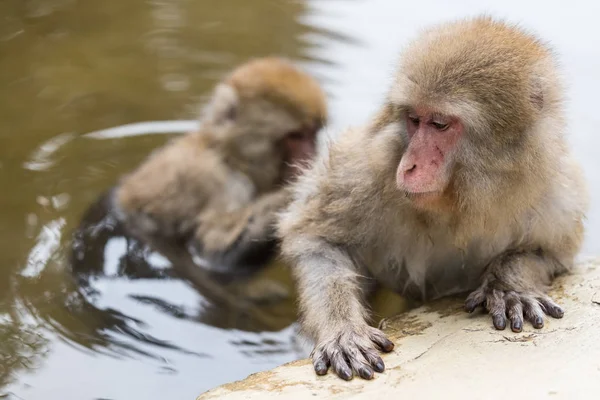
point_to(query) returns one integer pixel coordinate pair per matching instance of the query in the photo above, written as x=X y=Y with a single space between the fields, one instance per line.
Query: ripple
x=144 y=128
x=41 y=158
x=47 y=243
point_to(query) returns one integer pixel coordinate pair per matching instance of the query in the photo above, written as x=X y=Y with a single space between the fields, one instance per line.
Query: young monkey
x=216 y=190
x=462 y=182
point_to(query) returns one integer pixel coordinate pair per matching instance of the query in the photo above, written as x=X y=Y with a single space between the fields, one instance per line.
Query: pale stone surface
x=443 y=352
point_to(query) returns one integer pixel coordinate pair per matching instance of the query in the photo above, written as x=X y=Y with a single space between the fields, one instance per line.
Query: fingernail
x=517 y=326
x=345 y=374
x=499 y=322
x=379 y=366
x=365 y=373
x=320 y=368
x=558 y=312
x=539 y=322
x=388 y=345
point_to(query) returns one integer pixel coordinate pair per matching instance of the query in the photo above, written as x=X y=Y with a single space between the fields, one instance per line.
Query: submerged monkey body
x=214 y=192
x=194 y=176
x=462 y=182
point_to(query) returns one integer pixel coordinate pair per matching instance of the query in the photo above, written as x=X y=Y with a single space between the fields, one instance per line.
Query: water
x=71 y=67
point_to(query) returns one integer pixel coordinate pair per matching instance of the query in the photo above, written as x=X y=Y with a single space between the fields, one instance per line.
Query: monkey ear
x=223 y=106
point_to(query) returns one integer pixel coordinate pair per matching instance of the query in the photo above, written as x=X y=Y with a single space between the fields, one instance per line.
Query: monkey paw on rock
x=514 y=306
x=353 y=351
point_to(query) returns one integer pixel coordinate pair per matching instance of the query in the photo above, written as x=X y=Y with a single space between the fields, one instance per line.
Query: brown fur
x=221 y=184
x=273 y=79
x=510 y=219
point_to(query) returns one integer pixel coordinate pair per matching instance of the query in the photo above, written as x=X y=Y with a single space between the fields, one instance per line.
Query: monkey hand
x=218 y=231
x=352 y=351
x=502 y=302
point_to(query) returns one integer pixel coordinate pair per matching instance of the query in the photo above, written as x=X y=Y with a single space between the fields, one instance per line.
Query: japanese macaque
x=463 y=182
x=216 y=191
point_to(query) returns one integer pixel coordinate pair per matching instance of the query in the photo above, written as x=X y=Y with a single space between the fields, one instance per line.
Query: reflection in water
x=22 y=347
x=134 y=323
x=144 y=128
x=41 y=159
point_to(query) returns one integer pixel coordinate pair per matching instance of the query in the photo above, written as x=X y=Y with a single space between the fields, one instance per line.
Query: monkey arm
x=331 y=305
x=240 y=238
x=515 y=282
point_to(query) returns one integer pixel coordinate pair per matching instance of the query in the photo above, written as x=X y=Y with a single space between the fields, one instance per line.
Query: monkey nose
x=410 y=168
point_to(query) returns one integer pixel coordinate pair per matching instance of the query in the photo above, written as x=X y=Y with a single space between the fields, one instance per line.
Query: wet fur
x=216 y=190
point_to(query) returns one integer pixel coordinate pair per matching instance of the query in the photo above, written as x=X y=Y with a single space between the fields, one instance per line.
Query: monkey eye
x=413 y=119
x=440 y=126
x=296 y=135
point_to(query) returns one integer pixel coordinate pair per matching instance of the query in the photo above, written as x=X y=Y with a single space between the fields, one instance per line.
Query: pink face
x=424 y=167
x=299 y=147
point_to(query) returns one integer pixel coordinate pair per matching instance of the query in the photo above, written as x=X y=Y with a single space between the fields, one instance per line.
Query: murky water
x=70 y=67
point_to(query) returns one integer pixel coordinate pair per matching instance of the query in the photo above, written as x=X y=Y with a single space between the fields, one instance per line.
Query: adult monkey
x=462 y=182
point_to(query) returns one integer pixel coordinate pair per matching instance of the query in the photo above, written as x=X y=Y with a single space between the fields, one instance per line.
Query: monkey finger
x=533 y=311
x=474 y=300
x=320 y=363
x=379 y=338
x=373 y=358
x=550 y=307
x=514 y=311
x=363 y=370
x=361 y=366
x=359 y=363
x=497 y=308
x=340 y=365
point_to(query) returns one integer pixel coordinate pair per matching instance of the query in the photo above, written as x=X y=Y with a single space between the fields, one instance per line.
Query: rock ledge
x=441 y=351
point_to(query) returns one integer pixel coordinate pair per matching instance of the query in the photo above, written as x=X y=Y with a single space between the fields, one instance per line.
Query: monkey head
x=466 y=114
x=266 y=116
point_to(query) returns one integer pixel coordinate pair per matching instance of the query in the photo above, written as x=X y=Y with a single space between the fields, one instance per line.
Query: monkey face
x=424 y=169
x=299 y=148
x=288 y=140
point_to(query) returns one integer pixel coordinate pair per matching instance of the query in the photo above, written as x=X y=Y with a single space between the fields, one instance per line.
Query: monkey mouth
x=424 y=198
x=428 y=193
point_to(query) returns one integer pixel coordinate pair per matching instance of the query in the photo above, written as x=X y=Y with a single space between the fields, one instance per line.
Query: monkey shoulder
x=171 y=185
x=555 y=221
x=338 y=196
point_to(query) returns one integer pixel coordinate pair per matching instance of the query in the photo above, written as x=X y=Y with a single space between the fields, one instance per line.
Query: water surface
x=70 y=67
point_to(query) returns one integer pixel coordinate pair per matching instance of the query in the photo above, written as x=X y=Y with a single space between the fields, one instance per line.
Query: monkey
x=201 y=208
x=461 y=183
x=214 y=191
